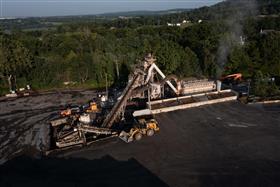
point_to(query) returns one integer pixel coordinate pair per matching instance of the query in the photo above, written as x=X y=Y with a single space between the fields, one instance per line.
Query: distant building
x=178 y=24
x=170 y=24
x=124 y=17
x=186 y=21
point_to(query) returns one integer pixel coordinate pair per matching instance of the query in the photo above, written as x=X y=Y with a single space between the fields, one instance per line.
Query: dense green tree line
x=86 y=53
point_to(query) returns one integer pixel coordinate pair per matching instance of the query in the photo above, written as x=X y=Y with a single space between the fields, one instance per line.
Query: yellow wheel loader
x=141 y=128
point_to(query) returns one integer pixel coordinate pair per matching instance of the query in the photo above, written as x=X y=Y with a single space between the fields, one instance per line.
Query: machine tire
x=138 y=136
x=150 y=132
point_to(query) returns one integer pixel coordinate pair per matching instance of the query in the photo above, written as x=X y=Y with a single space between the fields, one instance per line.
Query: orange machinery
x=232 y=78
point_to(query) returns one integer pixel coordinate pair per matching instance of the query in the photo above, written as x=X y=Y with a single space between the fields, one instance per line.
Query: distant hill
x=219 y=11
x=233 y=7
x=143 y=13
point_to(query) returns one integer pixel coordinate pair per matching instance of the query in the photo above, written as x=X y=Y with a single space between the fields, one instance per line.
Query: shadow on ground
x=107 y=171
x=247 y=173
x=26 y=171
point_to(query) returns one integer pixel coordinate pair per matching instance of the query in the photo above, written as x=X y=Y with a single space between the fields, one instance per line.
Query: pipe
x=154 y=66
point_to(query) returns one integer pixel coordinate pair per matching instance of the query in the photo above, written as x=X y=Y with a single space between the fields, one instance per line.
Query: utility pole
x=149 y=99
x=249 y=87
x=106 y=86
x=117 y=69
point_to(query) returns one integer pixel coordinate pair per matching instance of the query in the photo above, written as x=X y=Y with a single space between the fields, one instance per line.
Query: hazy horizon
x=41 y=8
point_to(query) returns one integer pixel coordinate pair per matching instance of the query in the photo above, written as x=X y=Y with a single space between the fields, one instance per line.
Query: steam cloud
x=234 y=23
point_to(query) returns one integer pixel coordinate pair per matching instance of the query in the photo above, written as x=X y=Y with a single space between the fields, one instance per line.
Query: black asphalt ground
x=228 y=144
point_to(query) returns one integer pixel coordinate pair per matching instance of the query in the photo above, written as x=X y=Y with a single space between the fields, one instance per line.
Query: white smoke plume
x=234 y=23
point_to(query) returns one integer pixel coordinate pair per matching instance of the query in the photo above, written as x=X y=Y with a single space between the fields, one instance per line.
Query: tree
x=190 y=65
x=270 y=47
x=15 y=59
x=169 y=56
x=239 y=61
x=263 y=86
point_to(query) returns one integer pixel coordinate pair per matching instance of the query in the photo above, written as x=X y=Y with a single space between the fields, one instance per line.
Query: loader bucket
x=125 y=137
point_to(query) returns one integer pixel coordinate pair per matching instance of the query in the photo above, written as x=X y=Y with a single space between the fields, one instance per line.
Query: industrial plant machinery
x=147 y=83
x=91 y=122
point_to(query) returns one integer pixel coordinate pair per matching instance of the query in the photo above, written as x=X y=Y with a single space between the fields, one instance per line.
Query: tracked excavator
x=94 y=121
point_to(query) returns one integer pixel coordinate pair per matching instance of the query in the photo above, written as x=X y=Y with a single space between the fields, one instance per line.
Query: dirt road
x=226 y=144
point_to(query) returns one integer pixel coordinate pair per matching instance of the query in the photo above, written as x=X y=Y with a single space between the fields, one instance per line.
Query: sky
x=27 y=8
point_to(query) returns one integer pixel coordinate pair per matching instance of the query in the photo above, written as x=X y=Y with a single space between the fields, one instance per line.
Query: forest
x=231 y=37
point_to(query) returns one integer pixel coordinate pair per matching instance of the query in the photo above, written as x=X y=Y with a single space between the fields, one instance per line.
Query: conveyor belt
x=96 y=130
x=120 y=105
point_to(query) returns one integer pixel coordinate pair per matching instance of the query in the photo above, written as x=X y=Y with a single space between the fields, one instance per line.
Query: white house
x=170 y=24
